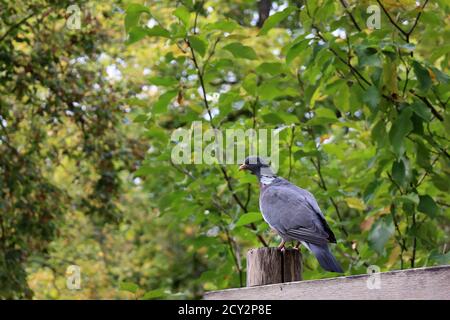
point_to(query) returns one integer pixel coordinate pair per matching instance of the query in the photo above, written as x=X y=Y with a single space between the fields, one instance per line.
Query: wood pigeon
x=293 y=213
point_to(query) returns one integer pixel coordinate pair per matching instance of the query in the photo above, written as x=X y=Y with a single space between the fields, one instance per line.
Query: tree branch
x=208 y=109
x=15 y=26
x=406 y=34
x=347 y=9
x=417 y=20
x=429 y=105
x=413 y=258
x=353 y=70
x=403 y=32
x=234 y=254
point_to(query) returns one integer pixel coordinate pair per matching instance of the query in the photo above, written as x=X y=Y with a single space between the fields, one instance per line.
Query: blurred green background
x=87 y=112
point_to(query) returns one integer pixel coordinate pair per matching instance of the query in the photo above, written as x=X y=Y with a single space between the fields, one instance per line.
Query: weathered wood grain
x=422 y=283
x=292 y=265
x=270 y=265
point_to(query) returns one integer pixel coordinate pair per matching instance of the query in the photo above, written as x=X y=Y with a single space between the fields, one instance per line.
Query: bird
x=293 y=213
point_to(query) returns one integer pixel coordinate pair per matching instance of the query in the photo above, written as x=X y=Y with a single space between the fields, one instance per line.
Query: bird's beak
x=242 y=167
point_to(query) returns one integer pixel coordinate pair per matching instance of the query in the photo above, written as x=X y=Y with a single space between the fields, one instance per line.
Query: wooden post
x=270 y=265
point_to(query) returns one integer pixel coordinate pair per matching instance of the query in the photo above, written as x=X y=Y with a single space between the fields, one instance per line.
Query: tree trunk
x=263 y=11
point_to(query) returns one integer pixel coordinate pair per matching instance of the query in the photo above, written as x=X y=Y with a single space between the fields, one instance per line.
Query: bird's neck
x=266 y=176
x=266 y=180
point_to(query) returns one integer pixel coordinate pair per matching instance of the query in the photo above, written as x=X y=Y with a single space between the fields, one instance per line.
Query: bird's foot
x=281 y=246
x=297 y=246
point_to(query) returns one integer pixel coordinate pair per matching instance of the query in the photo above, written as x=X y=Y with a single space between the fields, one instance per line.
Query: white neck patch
x=267 y=179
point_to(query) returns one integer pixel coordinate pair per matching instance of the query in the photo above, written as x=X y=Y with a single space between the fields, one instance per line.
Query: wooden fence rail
x=420 y=283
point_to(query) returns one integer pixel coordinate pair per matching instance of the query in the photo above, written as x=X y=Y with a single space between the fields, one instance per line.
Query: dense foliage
x=86 y=119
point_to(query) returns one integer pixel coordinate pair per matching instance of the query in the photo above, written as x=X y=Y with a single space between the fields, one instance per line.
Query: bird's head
x=256 y=166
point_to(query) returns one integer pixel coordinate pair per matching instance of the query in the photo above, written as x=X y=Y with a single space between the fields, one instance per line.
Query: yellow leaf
x=390 y=76
x=393 y=257
x=355 y=203
x=384 y=211
x=393 y=4
x=432 y=75
x=324 y=137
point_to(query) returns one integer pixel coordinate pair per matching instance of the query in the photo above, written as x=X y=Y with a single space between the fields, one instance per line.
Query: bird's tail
x=325 y=257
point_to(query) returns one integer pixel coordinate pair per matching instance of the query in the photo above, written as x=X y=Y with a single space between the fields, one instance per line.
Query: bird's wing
x=312 y=202
x=289 y=212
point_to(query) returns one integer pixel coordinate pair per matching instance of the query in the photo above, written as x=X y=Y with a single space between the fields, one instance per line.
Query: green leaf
x=325 y=113
x=129 y=286
x=158 y=31
x=322 y=116
x=399 y=172
x=447 y=123
x=198 y=44
x=183 y=14
x=342 y=97
x=440 y=258
x=400 y=128
x=441 y=182
x=248 y=178
x=132 y=15
x=135 y=34
x=248 y=218
x=378 y=133
x=431 y=18
x=144 y=171
x=164 y=100
x=428 y=206
x=421 y=110
x=289 y=118
x=272 y=118
x=380 y=233
x=439 y=51
x=314 y=97
x=275 y=19
x=269 y=90
x=222 y=25
x=295 y=50
x=423 y=76
x=411 y=198
x=142 y=117
x=157 y=133
x=272 y=68
x=368 y=56
x=326 y=11
x=370 y=190
x=241 y=51
x=163 y=81
x=301 y=154
x=372 y=97
x=423 y=155
x=153 y=294
x=249 y=84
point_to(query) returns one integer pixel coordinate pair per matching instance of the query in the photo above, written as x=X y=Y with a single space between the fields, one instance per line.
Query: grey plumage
x=294 y=213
